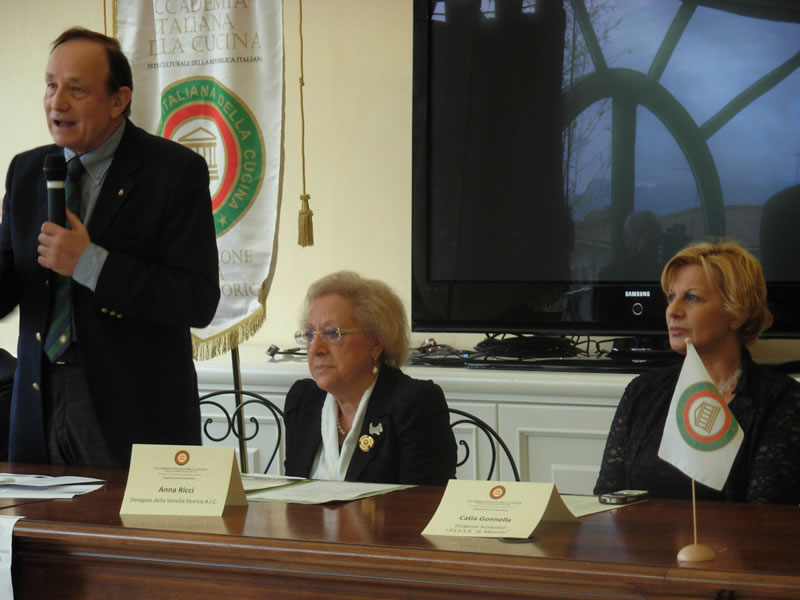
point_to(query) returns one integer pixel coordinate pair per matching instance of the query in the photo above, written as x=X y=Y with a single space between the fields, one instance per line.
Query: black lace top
x=767 y=468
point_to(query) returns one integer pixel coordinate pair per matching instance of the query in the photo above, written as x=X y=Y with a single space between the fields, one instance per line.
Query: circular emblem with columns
x=207 y=117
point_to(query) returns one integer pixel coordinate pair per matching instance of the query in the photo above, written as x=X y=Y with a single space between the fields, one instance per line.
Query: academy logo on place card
x=497 y=492
x=181 y=457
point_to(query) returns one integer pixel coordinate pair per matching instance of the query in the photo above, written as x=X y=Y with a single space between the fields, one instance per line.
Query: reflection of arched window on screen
x=682 y=111
x=673 y=121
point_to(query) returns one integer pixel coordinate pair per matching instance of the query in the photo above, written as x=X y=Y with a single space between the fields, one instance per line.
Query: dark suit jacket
x=161 y=277
x=8 y=365
x=416 y=446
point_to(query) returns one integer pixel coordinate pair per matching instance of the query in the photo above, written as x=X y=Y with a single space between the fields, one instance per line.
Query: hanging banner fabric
x=209 y=75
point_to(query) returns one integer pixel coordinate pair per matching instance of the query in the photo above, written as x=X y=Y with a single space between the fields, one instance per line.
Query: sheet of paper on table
x=580 y=506
x=252 y=482
x=319 y=491
x=7 y=523
x=13 y=485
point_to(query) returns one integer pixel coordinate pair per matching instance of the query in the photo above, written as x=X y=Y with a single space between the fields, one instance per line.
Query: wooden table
x=83 y=548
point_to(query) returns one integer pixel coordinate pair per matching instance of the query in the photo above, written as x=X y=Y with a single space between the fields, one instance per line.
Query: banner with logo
x=701 y=436
x=209 y=75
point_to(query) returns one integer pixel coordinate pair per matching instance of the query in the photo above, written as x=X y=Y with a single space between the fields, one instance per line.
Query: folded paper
x=496 y=509
x=182 y=480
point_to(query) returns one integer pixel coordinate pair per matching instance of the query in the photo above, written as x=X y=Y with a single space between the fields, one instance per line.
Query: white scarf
x=330 y=462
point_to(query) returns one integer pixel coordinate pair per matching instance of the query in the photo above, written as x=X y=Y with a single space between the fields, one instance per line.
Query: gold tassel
x=305 y=225
x=305 y=230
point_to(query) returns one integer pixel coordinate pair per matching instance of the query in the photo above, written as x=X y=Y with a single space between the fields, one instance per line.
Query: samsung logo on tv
x=637 y=294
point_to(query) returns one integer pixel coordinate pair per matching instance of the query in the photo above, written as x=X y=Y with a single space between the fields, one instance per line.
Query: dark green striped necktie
x=59 y=331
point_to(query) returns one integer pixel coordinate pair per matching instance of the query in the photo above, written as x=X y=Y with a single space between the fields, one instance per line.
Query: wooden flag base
x=696 y=552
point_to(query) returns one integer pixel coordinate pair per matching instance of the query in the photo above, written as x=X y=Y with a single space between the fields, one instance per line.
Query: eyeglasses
x=329 y=334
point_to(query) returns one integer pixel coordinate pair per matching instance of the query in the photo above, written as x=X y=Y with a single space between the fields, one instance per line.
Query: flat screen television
x=563 y=150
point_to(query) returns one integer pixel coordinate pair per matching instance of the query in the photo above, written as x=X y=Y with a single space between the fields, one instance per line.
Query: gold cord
x=305 y=232
x=113 y=18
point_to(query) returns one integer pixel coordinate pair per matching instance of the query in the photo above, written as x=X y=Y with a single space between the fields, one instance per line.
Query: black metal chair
x=493 y=437
x=235 y=421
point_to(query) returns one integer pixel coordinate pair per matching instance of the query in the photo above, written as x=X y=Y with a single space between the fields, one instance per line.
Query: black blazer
x=416 y=446
x=161 y=277
x=8 y=365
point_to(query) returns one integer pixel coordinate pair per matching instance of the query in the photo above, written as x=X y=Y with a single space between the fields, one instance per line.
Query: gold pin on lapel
x=365 y=443
x=121 y=192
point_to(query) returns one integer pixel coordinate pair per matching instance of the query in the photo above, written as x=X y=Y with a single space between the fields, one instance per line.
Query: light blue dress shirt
x=96 y=164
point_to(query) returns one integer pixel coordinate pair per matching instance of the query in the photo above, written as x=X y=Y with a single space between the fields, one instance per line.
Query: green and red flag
x=209 y=75
x=701 y=435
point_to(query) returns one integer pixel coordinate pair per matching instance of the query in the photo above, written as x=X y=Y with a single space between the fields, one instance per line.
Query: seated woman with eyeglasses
x=361 y=418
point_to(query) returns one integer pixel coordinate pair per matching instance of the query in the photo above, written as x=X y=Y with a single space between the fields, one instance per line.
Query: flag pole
x=694 y=512
x=237 y=399
x=695 y=552
x=695 y=427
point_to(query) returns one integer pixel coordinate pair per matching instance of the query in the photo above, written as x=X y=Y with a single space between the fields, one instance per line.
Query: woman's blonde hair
x=376 y=306
x=736 y=275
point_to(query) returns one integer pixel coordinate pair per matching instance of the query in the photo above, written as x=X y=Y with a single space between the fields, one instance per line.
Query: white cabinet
x=555 y=423
x=562 y=443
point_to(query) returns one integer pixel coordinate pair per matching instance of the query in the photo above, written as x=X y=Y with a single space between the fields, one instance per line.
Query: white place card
x=496 y=509
x=182 y=480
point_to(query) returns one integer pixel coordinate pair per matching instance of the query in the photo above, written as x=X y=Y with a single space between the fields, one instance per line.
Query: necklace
x=339 y=424
x=730 y=382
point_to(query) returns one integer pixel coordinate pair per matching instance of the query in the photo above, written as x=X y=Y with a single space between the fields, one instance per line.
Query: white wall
x=27 y=29
x=358 y=66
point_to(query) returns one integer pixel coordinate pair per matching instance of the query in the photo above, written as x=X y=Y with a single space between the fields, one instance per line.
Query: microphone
x=55 y=171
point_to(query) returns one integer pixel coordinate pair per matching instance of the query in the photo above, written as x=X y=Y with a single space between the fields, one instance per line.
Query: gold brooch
x=365 y=443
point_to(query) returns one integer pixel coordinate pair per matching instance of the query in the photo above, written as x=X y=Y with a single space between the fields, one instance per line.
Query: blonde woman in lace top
x=716 y=296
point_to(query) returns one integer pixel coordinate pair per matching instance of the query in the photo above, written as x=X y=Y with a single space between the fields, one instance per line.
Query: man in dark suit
x=8 y=365
x=140 y=260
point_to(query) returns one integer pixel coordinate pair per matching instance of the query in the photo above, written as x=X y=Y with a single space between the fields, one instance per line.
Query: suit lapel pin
x=121 y=192
x=376 y=430
x=365 y=443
